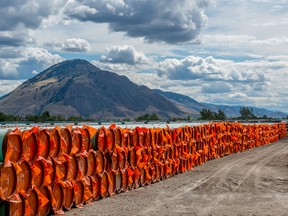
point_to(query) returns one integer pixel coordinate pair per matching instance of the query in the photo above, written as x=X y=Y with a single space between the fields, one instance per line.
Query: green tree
x=220 y=115
x=45 y=116
x=206 y=114
x=246 y=113
x=126 y=119
x=59 y=118
x=144 y=117
x=2 y=116
x=154 y=117
x=74 y=118
x=147 y=117
x=33 y=118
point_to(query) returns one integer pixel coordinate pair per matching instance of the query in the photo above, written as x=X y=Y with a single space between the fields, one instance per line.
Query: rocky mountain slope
x=76 y=87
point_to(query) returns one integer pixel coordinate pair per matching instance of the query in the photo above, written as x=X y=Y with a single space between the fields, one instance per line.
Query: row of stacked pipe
x=48 y=171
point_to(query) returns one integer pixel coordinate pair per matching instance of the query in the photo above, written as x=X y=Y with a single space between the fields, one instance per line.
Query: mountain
x=76 y=87
x=193 y=107
x=233 y=111
x=183 y=102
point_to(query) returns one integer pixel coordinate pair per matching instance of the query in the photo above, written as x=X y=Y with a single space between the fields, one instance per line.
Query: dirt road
x=253 y=182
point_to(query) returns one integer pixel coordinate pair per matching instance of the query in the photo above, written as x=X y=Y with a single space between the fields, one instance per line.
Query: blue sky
x=216 y=51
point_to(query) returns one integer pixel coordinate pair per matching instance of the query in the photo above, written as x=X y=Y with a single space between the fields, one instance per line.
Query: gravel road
x=254 y=182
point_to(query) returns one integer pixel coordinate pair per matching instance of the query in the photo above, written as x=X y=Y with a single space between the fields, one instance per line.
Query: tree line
x=244 y=112
x=205 y=114
x=44 y=117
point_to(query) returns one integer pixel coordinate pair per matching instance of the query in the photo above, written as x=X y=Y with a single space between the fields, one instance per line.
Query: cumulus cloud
x=42 y=56
x=124 y=54
x=281 y=58
x=14 y=39
x=223 y=81
x=26 y=63
x=9 y=53
x=122 y=59
x=237 y=95
x=240 y=98
x=19 y=18
x=242 y=41
x=8 y=69
x=190 y=67
x=210 y=69
x=75 y=45
x=170 y=21
x=28 y=13
x=216 y=87
x=120 y=68
x=9 y=85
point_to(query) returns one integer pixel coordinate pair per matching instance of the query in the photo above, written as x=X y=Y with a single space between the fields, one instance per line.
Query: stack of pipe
x=47 y=171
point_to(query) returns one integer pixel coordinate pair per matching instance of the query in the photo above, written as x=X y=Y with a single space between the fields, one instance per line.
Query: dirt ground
x=254 y=182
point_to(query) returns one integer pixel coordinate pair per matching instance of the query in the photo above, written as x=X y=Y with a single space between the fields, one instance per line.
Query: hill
x=193 y=107
x=76 y=87
x=183 y=102
x=233 y=111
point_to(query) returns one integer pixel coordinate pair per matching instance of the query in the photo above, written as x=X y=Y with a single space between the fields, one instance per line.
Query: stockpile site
x=48 y=171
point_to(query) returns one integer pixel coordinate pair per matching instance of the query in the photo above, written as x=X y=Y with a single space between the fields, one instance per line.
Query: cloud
x=125 y=59
x=281 y=58
x=216 y=87
x=75 y=45
x=9 y=85
x=195 y=75
x=259 y=28
x=9 y=53
x=26 y=63
x=124 y=54
x=240 y=98
x=237 y=95
x=190 y=67
x=171 y=21
x=211 y=69
x=8 y=69
x=214 y=80
x=246 y=39
x=29 y=13
x=118 y=68
x=14 y=39
x=19 y=19
x=35 y=72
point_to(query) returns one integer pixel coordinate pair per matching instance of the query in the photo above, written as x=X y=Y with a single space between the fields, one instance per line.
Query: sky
x=230 y=52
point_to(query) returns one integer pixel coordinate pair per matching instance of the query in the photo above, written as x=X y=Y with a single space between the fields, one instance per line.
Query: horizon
x=219 y=52
x=215 y=104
